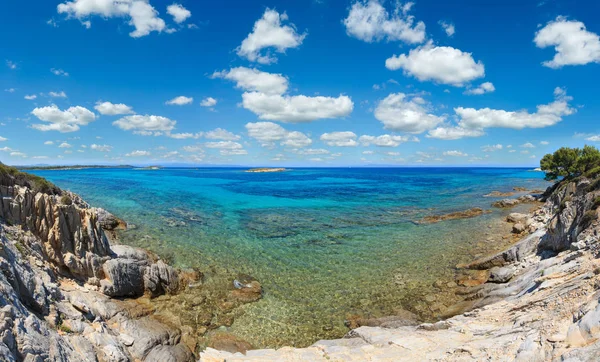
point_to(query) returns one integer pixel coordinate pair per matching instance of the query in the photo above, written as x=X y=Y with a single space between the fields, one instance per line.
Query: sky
x=297 y=83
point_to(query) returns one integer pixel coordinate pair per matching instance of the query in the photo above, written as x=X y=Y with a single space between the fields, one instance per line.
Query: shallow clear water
x=324 y=243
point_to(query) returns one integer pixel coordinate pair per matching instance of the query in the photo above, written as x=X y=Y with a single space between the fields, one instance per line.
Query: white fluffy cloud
x=142 y=16
x=179 y=13
x=268 y=32
x=221 y=134
x=138 y=153
x=455 y=153
x=59 y=72
x=574 y=45
x=145 y=125
x=454 y=133
x=60 y=94
x=491 y=148
x=295 y=109
x=112 y=109
x=386 y=140
x=269 y=133
x=546 y=115
x=227 y=148
x=595 y=138
x=101 y=148
x=448 y=28
x=64 y=145
x=68 y=120
x=208 y=102
x=369 y=21
x=48 y=143
x=180 y=101
x=30 y=97
x=340 y=139
x=184 y=136
x=255 y=80
x=440 y=64
x=398 y=113
x=483 y=88
x=472 y=122
x=528 y=145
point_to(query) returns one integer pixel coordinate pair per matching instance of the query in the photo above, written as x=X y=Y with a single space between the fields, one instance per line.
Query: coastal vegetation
x=72 y=167
x=36 y=183
x=569 y=163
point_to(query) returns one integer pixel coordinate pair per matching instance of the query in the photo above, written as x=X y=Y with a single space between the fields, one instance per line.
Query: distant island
x=72 y=167
x=266 y=169
x=149 y=168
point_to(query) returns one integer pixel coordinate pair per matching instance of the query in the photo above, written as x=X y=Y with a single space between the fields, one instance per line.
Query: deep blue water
x=324 y=243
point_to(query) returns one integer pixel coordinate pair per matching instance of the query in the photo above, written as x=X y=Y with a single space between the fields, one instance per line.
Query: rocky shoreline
x=537 y=300
x=68 y=294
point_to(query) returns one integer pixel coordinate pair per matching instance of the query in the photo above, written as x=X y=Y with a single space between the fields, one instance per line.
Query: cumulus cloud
x=486 y=87
x=595 y=138
x=180 y=101
x=59 y=72
x=544 y=143
x=18 y=154
x=2 y=139
x=546 y=115
x=101 y=148
x=491 y=148
x=60 y=94
x=141 y=15
x=138 y=153
x=472 y=122
x=441 y=64
x=11 y=65
x=399 y=113
x=48 y=143
x=184 y=136
x=64 y=145
x=268 y=33
x=208 y=102
x=145 y=125
x=312 y=151
x=255 y=80
x=369 y=21
x=30 y=97
x=455 y=153
x=269 y=133
x=227 y=148
x=296 y=109
x=386 y=140
x=178 y=12
x=574 y=45
x=528 y=145
x=221 y=134
x=454 y=133
x=68 y=120
x=112 y=109
x=340 y=139
x=448 y=28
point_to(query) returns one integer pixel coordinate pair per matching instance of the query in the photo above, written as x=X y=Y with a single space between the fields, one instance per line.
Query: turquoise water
x=324 y=243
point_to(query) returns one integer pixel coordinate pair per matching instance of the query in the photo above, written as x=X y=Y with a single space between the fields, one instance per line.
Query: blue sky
x=302 y=83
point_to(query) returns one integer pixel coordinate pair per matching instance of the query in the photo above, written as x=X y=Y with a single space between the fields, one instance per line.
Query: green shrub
x=66 y=200
x=593 y=173
x=596 y=203
x=10 y=176
x=587 y=219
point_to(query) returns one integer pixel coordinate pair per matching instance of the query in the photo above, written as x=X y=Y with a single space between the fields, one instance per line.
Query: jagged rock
x=516 y=217
x=501 y=275
x=518 y=228
x=160 y=278
x=124 y=278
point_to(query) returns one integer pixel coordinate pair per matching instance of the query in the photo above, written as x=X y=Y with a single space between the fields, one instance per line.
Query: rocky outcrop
x=541 y=301
x=466 y=214
x=59 y=275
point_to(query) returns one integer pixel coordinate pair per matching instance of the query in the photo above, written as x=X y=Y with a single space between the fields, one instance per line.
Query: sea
x=326 y=244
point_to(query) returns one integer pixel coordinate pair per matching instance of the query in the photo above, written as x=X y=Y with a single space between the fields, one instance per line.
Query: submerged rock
x=474 y=212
